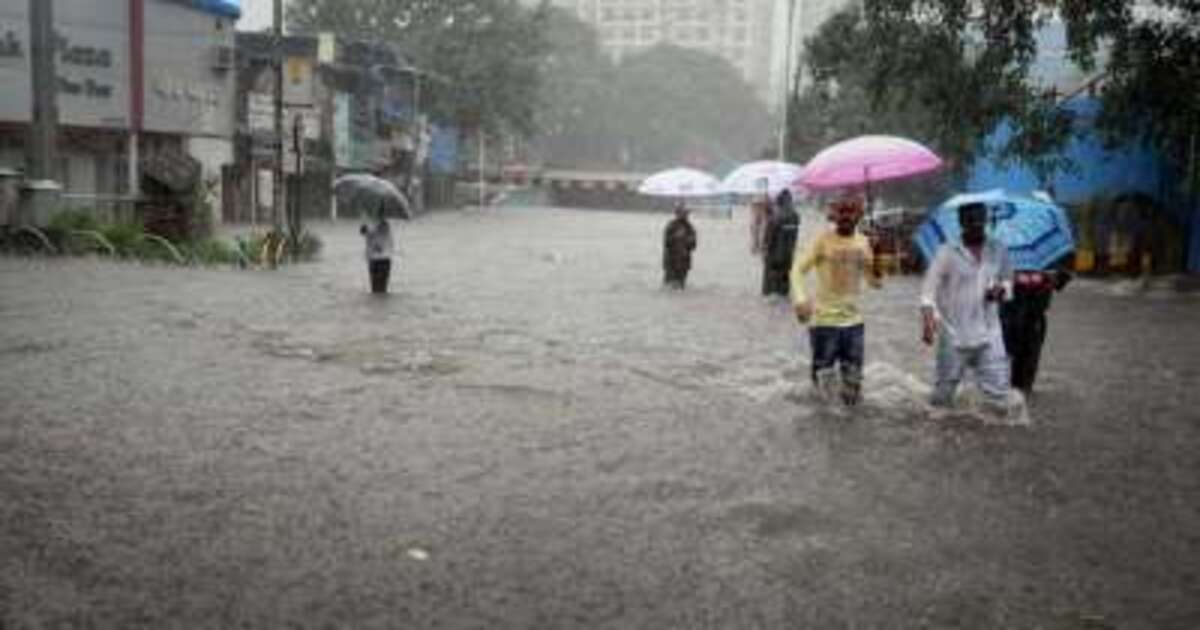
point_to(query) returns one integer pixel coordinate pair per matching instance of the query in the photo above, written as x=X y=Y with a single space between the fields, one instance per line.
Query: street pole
x=294 y=199
x=482 y=164
x=787 y=80
x=41 y=192
x=277 y=179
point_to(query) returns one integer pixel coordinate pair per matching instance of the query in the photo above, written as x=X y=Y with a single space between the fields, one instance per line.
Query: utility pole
x=41 y=192
x=277 y=217
x=787 y=79
x=482 y=166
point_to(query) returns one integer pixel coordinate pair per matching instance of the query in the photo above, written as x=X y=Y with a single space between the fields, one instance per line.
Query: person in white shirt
x=379 y=248
x=960 y=309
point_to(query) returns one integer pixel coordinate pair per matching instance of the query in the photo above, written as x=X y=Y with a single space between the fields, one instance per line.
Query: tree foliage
x=929 y=71
x=948 y=71
x=680 y=105
x=662 y=107
x=577 y=108
x=1152 y=74
x=489 y=50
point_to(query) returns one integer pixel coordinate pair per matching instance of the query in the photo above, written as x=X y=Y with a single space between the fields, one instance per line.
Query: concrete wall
x=213 y=154
x=185 y=93
x=93 y=62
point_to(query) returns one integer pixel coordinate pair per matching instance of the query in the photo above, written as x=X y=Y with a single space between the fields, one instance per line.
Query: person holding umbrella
x=842 y=258
x=960 y=310
x=379 y=248
x=679 y=241
x=377 y=197
x=1036 y=233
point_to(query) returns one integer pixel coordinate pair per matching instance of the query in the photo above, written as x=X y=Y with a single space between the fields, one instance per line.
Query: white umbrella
x=680 y=182
x=763 y=177
x=371 y=193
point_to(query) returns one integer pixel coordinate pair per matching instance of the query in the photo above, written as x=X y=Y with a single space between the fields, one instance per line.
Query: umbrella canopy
x=680 y=182
x=369 y=194
x=865 y=159
x=763 y=177
x=1036 y=232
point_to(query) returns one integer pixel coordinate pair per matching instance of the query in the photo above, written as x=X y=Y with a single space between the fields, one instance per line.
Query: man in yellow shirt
x=842 y=258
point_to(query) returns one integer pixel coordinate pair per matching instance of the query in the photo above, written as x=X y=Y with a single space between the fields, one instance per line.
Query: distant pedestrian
x=760 y=213
x=1023 y=319
x=379 y=248
x=779 y=245
x=960 y=305
x=679 y=241
x=842 y=258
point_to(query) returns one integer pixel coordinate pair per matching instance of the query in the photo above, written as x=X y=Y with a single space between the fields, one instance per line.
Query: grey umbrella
x=370 y=194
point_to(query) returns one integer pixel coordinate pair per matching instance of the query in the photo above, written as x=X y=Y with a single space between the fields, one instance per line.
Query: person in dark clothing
x=779 y=245
x=1023 y=321
x=679 y=240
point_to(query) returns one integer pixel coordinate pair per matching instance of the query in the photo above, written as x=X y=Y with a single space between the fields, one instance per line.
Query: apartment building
x=741 y=31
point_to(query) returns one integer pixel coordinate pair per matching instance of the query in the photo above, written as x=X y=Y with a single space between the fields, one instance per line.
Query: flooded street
x=530 y=433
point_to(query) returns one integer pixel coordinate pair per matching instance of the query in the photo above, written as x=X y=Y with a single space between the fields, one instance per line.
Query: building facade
x=145 y=95
x=349 y=107
x=740 y=31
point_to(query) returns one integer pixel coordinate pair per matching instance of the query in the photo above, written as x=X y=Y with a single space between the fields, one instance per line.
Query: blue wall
x=1099 y=172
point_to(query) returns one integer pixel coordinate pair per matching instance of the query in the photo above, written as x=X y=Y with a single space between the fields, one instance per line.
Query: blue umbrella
x=1037 y=232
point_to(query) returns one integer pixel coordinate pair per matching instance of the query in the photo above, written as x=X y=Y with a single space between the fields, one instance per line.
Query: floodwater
x=530 y=433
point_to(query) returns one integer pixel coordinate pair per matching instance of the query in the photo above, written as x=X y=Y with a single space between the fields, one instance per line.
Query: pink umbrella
x=865 y=159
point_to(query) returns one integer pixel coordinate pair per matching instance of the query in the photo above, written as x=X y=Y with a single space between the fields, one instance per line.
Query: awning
x=223 y=8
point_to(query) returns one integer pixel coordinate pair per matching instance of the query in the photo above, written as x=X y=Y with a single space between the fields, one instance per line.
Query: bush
x=211 y=251
x=126 y=238
x=309 y=247
x=73 y=220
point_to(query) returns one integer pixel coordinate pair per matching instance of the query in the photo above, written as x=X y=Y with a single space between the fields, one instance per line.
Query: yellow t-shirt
x=841 y=262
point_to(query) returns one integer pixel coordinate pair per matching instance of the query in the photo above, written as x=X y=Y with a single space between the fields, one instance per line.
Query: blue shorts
x=838 y=345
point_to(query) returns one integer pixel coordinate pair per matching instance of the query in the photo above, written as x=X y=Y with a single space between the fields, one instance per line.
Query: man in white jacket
x=960 y=308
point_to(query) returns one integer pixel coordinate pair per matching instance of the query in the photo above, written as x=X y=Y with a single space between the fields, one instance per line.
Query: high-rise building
x=741 y=31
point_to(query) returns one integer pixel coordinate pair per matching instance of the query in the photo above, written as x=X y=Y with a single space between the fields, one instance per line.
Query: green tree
x=576 y=126
x=960 y=67
x=678 y=105
x=927 y=71
x=1151 y=78
x=489 y=50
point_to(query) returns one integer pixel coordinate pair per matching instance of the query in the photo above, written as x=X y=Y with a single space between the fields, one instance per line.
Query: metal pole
x=482 y=179
x=294 y=199
x=41 y=191
x=277 y=179
x=137 y=91
x=787 y=80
